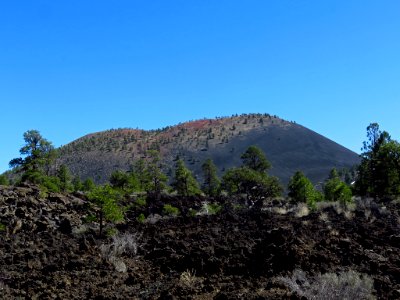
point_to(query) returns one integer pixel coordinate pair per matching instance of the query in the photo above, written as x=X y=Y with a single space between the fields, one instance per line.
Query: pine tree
x=105 y=199
x=156 y=178
x=254 y=158
x=211 y=184
x=37 y=153
x=301 y=189
x=252 y=178
x=64 y=177
x=379 y=171
x=184 y=182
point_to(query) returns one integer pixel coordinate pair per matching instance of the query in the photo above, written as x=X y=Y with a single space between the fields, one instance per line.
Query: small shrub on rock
x=121 y=244
x=141 y=218
x=170 y=210
x=209 y=208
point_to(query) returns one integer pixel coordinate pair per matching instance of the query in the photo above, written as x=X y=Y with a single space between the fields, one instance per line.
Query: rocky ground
x=50 y=250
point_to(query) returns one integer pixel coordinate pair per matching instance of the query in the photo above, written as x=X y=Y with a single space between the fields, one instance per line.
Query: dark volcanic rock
x=46 y=252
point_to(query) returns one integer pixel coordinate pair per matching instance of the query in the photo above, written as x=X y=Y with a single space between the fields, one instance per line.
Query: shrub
x=188 y=279
x=140 y=202
x=337 y=190
x=170 y=210
x=209 y=208
x=111 y=232
x=4 y=180
x=345 y=285
x=122 y=244
x=89 y=219
x=141 y=218
x=301 y=189
x=192 y=212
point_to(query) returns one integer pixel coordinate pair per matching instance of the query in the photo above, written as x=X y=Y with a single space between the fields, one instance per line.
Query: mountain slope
x=288 y=146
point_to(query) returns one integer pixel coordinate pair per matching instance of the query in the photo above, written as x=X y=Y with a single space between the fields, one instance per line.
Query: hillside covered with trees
x=288 y=146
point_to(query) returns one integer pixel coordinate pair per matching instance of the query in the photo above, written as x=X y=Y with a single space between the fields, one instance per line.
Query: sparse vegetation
x=188 y=279
x=345 y=285
x=209 y=208
x=253 y=228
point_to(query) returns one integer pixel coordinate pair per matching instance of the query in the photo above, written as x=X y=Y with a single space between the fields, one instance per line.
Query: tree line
x=378 y=176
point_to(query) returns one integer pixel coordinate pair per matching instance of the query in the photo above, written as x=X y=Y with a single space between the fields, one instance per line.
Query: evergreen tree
x=379 y=171
x=387 y=171
x=336 y=190
x=301 y=189
x=119 y=179
x=252 y=178
x=156 y=178
x=125 y=181
x=37 y=152
x=64 y=177
x=88 y=185
x=211 y=184
x=3 y=180
x=77 y=184
x=105 y=199
x=139 y=169
x=254 y=158
x=184 y=182
x=255 y=185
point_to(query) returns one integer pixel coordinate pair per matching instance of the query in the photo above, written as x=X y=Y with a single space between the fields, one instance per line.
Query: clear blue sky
x=68 y=68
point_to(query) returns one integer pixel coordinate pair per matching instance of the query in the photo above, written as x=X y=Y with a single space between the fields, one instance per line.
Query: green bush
x=51 y=184
x=301 y=189
x=210 y=208
x=170 y=210
x=110 y=232
x=140 y=202
x=141 y=218
x=89 y=219
x=4 y=180
x=337 y=190
x=105 y=199
x=192 y=212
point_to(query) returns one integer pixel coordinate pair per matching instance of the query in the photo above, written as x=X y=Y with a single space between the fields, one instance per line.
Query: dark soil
x=48 y=252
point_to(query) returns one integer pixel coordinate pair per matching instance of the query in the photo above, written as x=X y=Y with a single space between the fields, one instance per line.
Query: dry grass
x=302 y=210
x=188 y=279
x=324 y=217
x=280 y=210
x=123 y=244
x=347 y=211
x=348 y=285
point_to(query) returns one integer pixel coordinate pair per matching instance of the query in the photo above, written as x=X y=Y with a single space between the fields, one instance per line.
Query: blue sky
x=68 y=68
